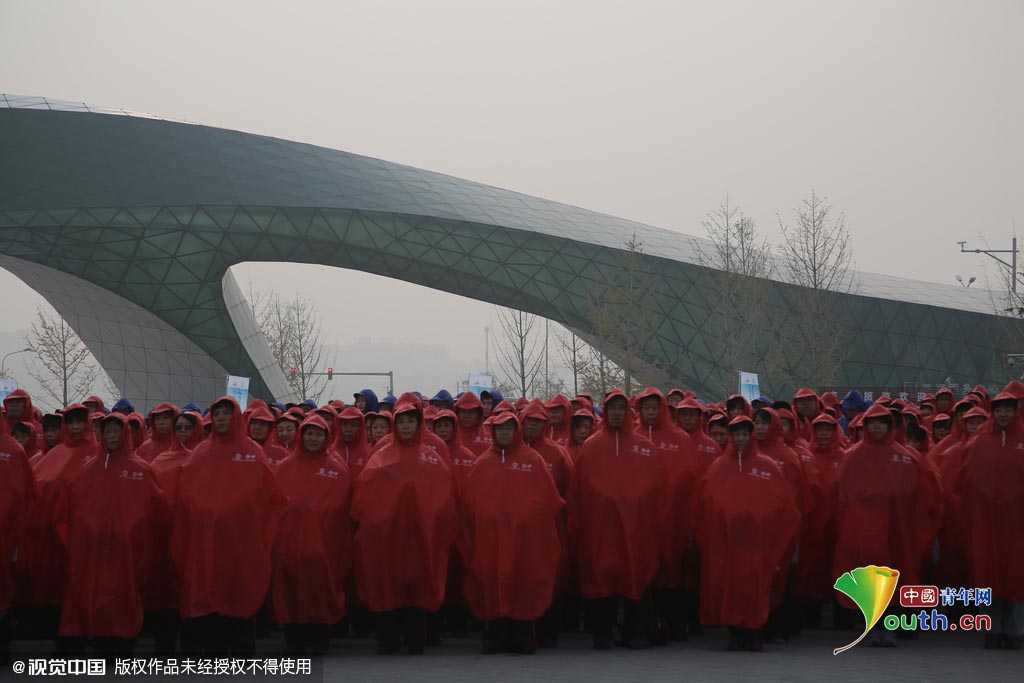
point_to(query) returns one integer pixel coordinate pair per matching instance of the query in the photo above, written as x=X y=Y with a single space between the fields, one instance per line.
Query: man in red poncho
x=888 y=507
x=225 y=519
x=160 y=596
x=352 y=444
x=989 y=490
x=746 y=528
x=559 y=410
x=509 y=509
x=17 y=493
x=675 y=447
x=161 y=422
x=404 y=509
x=313 y=551
x=42 y=558
x=807 y=406
x=619 y=498
x=18 y=408
x=690 y=418
x=470 y=412
x=109 y=516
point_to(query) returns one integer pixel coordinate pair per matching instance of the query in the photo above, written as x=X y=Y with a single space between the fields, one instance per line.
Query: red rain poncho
x=313 y=552
x=707 y=449
x=159 y=442
x=675 y=448
x=274 y=452
x=462 y=457
x=746 y=528
x=888 y=507
x=27 y=416
x=110 y=516
x=509 y=510
x=17 y=494
x=557 y=458
x=356 y=454
x=560 y=433
x=618 y=506
x=225 y=519
x=42 y=559
x=478 y=438
x=404 y=509
x=989 y=491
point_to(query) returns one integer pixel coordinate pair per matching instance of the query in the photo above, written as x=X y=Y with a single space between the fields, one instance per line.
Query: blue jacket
x=445 y=397
x=852 y=401
x=123 y=404
x=372 y=404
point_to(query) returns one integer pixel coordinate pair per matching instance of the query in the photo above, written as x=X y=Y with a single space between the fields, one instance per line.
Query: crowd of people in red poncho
x=647 y=517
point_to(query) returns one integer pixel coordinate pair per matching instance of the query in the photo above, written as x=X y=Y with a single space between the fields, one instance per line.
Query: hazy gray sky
x=906 y=114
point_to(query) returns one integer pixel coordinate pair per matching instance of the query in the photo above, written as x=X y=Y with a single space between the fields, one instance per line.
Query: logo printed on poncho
x=324 y=472
x=248 y=457
x=902 y=457
x=642 y=450
x=429 y=457
x=5 y=456
x=525 y=467
x=763 y=474
x=134 y=476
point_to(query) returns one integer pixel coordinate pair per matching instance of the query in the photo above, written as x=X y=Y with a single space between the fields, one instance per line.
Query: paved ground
x=933 y=657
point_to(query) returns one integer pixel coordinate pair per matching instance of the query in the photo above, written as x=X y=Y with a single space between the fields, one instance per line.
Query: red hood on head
x=627 y=424
x=165 y=407
x=502 y=407
x=254 y=405
x=140 y=437
x=408 y=402
x=469 y=401
x=833 y=441
x=945 y=391
x=502 y=418
x=878 y=410
x=560 y=401
x=237 y=428
x=774 y=434
x=353 y=413
x=586 y=401
x=196 y=436
x=16 y=394
x=830 y=400
x=87 y=433
x=313 y=420
x=101 y=408
x=662 y=419
x=124 y=448
x=804 y=392
x=534 y=409
x=456 y=441
x=747 y=410
x=262 y=414
x=752 y=447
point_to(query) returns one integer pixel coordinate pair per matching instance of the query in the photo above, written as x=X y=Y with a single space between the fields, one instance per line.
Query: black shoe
x=735 y=645
x=491 y=647
x=387 y=649
x=523 y=646
x=414 y=649
x=433 y=641
x=638 y=643
x=548 y=642
x=602 y=643
x=755 y=642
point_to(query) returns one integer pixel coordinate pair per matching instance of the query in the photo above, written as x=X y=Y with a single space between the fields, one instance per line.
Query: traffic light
x=293 y=373
x=330 y=373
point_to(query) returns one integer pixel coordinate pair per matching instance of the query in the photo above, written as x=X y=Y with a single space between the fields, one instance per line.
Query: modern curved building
x=128 y=225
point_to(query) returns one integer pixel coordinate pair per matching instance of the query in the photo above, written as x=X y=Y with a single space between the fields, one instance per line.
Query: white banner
x=238 y=389
x=749 y=386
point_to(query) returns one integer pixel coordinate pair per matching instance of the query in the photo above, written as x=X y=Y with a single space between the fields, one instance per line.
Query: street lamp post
x=991 y=253
x=3 y=361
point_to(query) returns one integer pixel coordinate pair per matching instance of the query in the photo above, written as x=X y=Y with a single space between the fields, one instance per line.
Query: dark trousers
x=508 y=635
x=6 y=627
x=408 y=623
x=550 y=624
x=162 y=626
x=670 y=610
x=217 y=635
x=37 y=622
x=298 y=638
x=638 y=618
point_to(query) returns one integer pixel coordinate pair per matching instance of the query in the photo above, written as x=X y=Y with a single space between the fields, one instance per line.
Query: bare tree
x=622 y=310
x=304 y=350
x=61 y=363
x=816 y=254
x=740 y=265
x=600 y=375
x=574 y=352
x=520 y=349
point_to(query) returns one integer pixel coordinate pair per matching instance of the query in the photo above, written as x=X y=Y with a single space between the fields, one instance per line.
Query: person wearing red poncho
x=404 y=510
x=313 y=551
x=17 y=494
x=618 y=504
x=559 y=411
x=42 y=558
x=888 y=507
x=989 y=490
x=581 y=425
x=352 y=444
x=160 y=595
x=509 y=509
x=676 y=449
x=225 y=519
x=109 y=516
x=260 y=425
x=746 y=528
x=470 y=412
x=161 y=422
x=691 y=418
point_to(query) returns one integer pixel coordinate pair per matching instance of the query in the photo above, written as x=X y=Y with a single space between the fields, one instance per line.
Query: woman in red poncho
x=17 y=493
x=888 y=507
x=161 y=422
x=618 y=504
x=313 y=551
x=746 y=528
x=42 y=559
x=509 y=508
x=225 y=519
x=989 y=490
x=109 y=516
x=404 y=509
x=261 y=424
